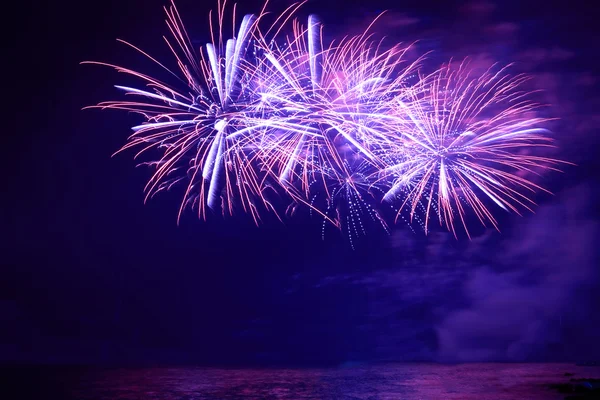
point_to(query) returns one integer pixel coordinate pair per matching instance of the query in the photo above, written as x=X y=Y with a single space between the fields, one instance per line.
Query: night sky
x=92 y=275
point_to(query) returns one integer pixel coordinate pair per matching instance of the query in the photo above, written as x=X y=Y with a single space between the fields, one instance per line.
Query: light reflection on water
x=397 y=381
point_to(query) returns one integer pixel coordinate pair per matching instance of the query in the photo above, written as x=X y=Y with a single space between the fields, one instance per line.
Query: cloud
x=508 y=296
x=535 y=57
x=504 y=30
x=520 y=303
x=396 y=20
x=478 y=8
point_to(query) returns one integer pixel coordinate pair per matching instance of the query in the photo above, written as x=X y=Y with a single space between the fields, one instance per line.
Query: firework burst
x=338 y=98
x=470 y=140
x=201 y=126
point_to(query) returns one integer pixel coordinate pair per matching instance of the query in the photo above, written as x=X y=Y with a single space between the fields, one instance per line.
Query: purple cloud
x=517 y=308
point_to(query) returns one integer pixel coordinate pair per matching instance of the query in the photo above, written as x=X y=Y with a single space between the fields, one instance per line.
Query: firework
x=469 y=138
x=202 y=124
x=341 y=99
x=345 y=129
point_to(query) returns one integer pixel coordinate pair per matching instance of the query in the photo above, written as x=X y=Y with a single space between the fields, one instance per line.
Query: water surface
x=395 y=381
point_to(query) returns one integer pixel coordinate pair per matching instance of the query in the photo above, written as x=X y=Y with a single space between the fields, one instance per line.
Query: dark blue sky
x=93 y=275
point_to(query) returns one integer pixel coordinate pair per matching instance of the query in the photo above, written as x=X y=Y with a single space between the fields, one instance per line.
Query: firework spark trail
x=351 y=198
